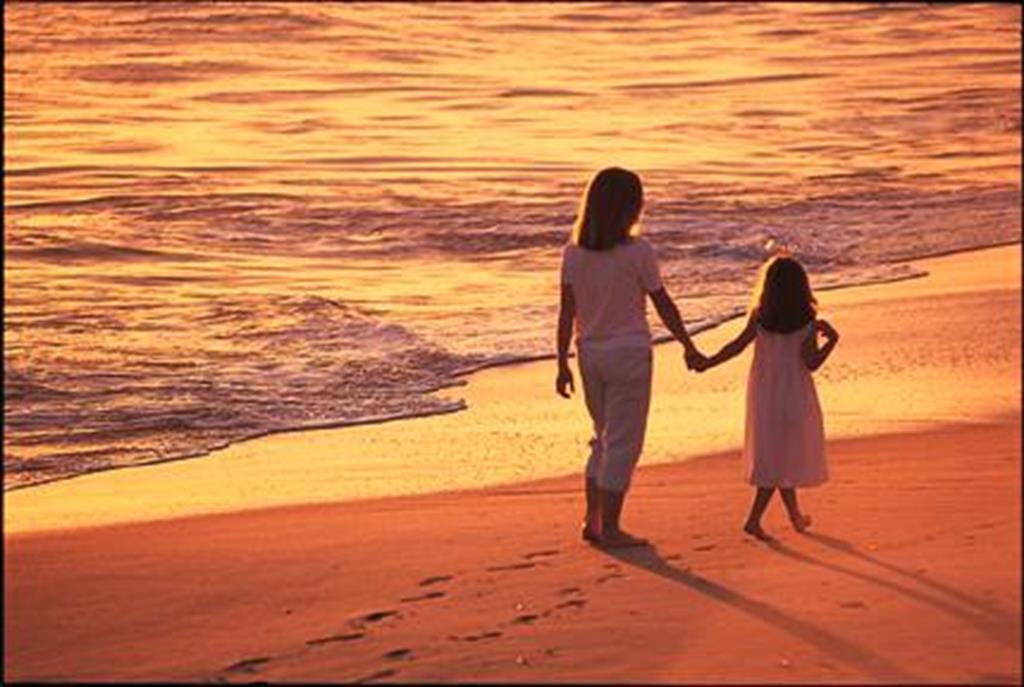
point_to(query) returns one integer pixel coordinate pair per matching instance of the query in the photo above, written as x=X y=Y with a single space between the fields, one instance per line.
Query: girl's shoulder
x=638 y=248
x=759 y=327
x=638 y=243
x=633 y=249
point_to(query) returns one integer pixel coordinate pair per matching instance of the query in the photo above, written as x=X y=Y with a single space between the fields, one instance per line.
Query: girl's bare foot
x=589 y=534
x=801 y=522
x=620 y=540
x=754 y=530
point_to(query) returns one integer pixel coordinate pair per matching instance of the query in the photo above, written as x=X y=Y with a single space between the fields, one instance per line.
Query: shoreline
x=508 y=406
x=463 y=377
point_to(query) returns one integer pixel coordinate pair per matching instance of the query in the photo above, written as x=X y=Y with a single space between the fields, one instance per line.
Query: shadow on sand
x=996 y=627
x=844 y=546
x=878 y=667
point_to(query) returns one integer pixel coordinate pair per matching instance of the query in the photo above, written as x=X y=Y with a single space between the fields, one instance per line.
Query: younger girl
x=784 y=446
x=607 y=273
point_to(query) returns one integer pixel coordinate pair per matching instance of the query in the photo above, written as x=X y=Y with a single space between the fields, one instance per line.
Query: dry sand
x=912 y=572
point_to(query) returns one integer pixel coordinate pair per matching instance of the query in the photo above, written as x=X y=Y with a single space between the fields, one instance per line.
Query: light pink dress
x=784 y=444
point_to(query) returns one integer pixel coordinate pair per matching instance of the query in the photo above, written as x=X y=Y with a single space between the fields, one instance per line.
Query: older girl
x=607 y=273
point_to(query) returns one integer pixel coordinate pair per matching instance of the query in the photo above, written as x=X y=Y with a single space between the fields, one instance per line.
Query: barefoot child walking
x=784 y=446
x=607 y=273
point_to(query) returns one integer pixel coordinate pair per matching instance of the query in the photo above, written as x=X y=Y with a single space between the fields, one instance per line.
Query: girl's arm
x=736 y=346
x=566 y=314
x=813 y=356
x=669 y=314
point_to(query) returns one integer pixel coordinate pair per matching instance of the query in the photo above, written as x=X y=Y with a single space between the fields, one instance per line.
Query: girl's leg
x=627 y=401
x=753 y=524
x=799 y=520
x=611 y=511
x=592 y=520
x=594 y=395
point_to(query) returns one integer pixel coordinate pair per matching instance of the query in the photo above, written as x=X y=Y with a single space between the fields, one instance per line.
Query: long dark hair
x=609 y=209
x=783 y=300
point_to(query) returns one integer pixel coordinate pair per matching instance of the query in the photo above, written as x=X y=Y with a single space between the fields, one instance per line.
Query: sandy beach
x=281 y=559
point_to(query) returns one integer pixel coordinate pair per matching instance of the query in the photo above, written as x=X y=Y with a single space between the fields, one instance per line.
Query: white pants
x=617 y=388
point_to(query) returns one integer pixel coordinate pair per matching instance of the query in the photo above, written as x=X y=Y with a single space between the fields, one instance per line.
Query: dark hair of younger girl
x=785 y=302
x=609 y=210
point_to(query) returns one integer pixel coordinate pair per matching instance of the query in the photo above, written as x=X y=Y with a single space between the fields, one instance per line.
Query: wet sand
x=907 y=348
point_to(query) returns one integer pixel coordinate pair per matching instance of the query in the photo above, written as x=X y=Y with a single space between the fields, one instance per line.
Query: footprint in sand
x=491 y=634
x=348 y=637
x=375 y=676
x=436 y=579
x=853 y=604
x=247 y=665
x=572 y=603
x=525 y=619
x=609 y=576
x=541 y=554
x=513 y=566
x=422 y=597
x=372 y=617
x=569 y=590
x=673 y=557
x=396 y=654
x=706 y=547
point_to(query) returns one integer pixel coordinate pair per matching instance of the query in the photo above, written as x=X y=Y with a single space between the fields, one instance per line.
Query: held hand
x=563 y=382
x=696 y=361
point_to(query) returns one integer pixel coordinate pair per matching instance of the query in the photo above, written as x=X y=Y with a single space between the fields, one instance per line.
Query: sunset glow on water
x=229 y=219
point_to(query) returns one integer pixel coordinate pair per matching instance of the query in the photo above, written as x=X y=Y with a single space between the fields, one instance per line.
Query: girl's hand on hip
x=564 y=382
x=827 y=329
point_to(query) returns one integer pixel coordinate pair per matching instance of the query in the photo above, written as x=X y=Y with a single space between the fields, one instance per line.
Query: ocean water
x=228 y=219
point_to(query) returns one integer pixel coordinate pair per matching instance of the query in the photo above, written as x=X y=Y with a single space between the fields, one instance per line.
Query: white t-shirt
x=610 y=288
